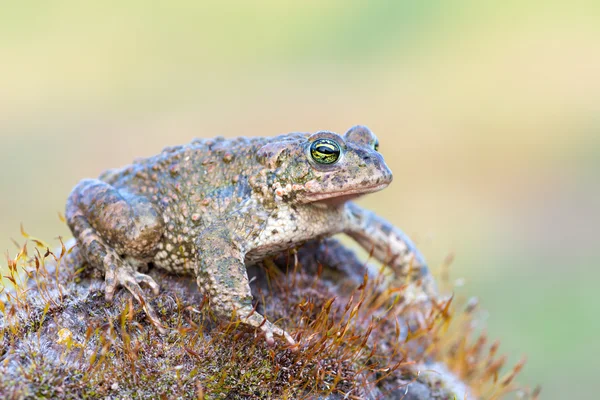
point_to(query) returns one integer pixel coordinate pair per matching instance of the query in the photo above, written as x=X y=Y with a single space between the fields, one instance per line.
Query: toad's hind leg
x=110 y=224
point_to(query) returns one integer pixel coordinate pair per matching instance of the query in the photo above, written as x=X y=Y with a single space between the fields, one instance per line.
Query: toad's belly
x=177 y=258
x=273 y=249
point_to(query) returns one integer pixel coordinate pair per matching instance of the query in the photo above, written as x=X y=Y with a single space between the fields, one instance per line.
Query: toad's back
x=197 y=181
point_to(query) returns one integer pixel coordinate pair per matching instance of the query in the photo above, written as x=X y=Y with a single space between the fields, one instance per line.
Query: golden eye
x=325 y=151
x=376 y=146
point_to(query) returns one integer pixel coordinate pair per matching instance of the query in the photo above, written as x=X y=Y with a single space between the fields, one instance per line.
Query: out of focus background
x=487 y=112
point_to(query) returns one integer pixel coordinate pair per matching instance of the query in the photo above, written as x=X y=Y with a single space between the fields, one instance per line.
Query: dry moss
x=358 y=340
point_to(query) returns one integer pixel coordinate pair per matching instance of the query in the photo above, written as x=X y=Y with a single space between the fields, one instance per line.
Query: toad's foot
x=250 y=317
x=130 y=279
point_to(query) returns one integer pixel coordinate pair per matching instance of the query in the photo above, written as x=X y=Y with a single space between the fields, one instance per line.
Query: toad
x=214 y=206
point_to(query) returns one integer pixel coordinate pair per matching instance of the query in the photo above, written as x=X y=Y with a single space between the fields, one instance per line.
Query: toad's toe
x=130 y=279
x=268 y=329
x=143 y=278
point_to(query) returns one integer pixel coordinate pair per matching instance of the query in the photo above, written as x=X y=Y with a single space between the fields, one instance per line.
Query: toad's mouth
x=342 y=196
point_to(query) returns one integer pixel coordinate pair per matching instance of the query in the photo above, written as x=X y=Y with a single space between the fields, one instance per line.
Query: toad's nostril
x=366 y=158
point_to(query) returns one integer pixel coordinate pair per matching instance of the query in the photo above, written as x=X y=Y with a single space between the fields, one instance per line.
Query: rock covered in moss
x=358 y=338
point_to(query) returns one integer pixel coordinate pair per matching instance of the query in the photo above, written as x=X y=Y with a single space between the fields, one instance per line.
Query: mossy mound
x=358 y=339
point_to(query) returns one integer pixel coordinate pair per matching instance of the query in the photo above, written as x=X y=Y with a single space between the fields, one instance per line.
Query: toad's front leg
x=221 y=274
x=388 y=244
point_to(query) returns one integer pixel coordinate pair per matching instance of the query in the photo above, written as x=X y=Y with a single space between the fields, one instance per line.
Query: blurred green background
x=487 y=112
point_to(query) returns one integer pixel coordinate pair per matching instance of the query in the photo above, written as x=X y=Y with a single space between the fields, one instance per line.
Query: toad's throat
x=342 y=196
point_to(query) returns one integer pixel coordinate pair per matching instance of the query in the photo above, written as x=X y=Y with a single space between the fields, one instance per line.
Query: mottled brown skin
x=211 y=207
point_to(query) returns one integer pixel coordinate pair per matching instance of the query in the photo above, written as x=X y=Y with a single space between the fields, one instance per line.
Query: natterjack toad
x=212 y=207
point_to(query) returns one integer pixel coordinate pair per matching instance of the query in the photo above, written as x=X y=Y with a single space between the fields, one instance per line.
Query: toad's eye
x=325 y=151
x=376 y=146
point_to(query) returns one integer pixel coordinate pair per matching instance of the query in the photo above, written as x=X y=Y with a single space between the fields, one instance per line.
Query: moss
x=358 y=339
